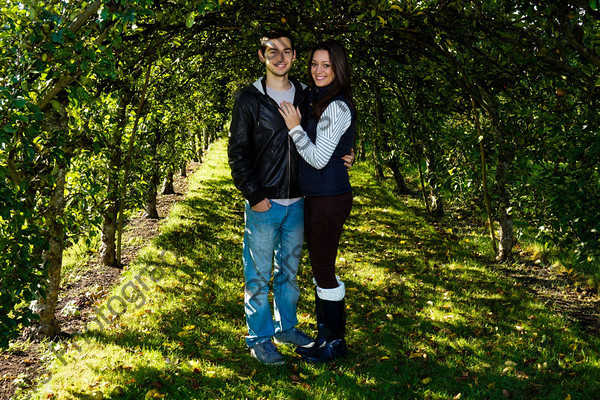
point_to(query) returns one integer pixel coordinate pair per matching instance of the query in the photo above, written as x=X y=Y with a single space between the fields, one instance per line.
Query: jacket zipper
x=290 y=143
x=289 y=149
x=289 y=166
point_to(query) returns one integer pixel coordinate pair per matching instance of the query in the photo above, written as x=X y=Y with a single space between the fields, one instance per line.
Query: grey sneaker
x=266 y=353
x=296 y=337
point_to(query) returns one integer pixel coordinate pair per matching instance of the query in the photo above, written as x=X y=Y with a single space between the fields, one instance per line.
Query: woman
x=328 y=134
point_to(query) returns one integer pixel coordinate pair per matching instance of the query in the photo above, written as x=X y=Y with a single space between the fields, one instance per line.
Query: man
x=264 y=163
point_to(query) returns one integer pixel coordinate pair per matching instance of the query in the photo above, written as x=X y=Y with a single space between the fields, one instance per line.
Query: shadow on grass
x=426 y=317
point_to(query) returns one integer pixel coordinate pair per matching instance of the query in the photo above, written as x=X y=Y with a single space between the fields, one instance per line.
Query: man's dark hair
x=274 y=34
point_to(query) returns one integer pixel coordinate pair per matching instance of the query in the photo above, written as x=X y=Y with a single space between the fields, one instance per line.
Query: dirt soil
x=23 y=363
x=564 y=292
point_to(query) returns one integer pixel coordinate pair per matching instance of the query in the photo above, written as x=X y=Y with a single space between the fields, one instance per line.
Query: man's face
x=278 y=56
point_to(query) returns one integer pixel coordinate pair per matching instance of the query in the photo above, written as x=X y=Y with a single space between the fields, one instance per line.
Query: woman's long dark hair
x=341 y=68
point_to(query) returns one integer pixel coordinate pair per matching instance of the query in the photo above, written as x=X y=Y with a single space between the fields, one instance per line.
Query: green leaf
x=20 y=103
x=57 y=37
x=594 y=5
x=190 y=19
x=9 y=129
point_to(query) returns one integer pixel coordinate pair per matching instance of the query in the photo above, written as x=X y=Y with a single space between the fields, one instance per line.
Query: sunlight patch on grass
x=428 y=316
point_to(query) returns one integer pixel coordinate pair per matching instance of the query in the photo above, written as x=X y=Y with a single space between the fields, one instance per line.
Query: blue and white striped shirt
x=333 y=123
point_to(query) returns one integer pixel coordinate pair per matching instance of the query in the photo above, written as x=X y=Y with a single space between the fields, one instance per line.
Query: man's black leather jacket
x=262 y=156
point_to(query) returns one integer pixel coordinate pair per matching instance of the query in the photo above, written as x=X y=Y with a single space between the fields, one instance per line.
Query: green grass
x=76 y=257
x=427 y=318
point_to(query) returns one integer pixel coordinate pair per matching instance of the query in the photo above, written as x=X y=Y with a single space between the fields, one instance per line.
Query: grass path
x=427 y=319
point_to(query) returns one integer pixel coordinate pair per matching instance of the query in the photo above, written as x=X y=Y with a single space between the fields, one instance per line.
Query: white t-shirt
x=280 y=96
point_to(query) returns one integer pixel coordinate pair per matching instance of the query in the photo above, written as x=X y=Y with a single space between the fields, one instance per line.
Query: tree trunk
x=183 y=170
x=205 y=139
x=199 y=146
x=194 y=139
x=506 y=239
x=362 y=153
x=45 y=306
x=108 y=248
x=47 y=326
x=168 y=187
x=127 y=164
x=415 y=144
x=150 y=211
x=380 y=144
x=486 y=194
x=506 y=235
x=436 y=204
x=398 y=177
x=379 y=174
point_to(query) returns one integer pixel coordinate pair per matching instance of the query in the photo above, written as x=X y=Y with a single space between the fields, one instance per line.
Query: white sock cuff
x=337 y=278
x=335 y=294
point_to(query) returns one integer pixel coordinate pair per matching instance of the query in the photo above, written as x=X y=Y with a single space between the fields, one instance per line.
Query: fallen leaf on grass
x=156 y=385
x=521 y=375
x=153 y=394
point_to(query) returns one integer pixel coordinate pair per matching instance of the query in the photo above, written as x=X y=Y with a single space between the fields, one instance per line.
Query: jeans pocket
x=261 y=212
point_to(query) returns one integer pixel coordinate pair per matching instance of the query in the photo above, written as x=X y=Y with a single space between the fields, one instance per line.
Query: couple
x=288 y=141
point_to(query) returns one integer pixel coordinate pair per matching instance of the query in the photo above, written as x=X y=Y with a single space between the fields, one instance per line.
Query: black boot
x=320 y=339
x=334 y=330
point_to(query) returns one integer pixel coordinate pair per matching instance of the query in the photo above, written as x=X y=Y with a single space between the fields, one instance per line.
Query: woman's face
x=320 y=68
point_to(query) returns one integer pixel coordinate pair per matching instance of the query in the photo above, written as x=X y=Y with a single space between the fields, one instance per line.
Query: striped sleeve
x=333 y=123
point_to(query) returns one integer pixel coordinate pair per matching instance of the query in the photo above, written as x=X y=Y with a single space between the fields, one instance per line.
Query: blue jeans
x=272 y=245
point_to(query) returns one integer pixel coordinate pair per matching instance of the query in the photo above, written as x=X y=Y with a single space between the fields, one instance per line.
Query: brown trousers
x=324 y=217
